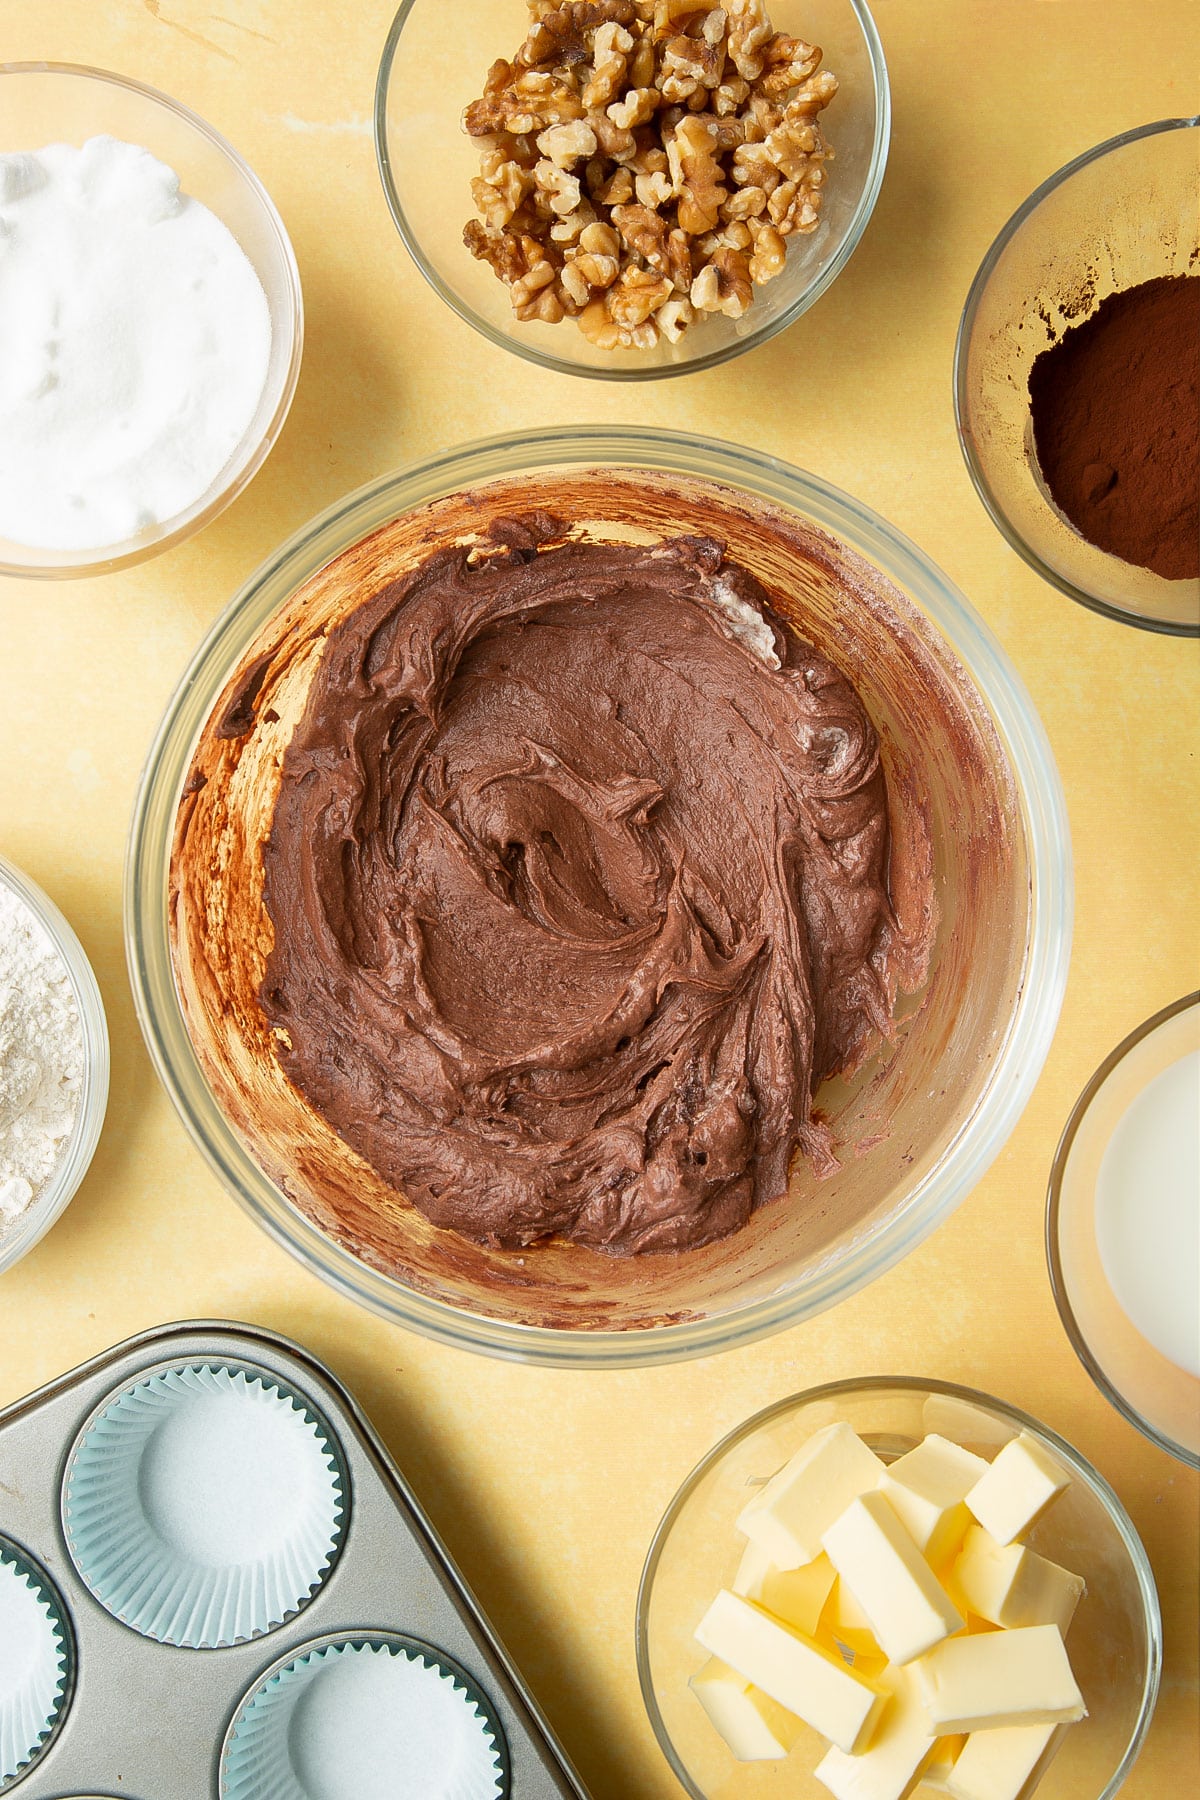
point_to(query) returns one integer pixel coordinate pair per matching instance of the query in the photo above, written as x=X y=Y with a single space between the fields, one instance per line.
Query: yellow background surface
x=547 y=1485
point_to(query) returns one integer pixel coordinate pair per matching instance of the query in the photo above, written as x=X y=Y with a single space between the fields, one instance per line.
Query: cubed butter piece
x=789 y=1515
x=1010 y=1584
x=999 y=1765
x=797 y=1596
x=890 y=1768
x=938 y=1770
x=753 y=1566
x=800 y=1675
x=1018 y=1486
x=845 y=1620
x=907 y=1607
x=794 y=1595
x=928 y=1488
x=997 y=1678
x=752 y=1724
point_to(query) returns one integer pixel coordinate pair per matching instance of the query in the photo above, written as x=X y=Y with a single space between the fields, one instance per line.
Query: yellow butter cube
x=927 y=1489
x=996 y=1678
x=890 y=1768
x=845 y=1620
x=906 y=1606
x=752 y=1724
x=794 y=1595
x=1018 y=1486
x=797 y=1596
x=753 y=1566
x=938 y=1770
x=789 y=1515
x=1001 y=1765
x=795 y=1671
x=1011 y=1585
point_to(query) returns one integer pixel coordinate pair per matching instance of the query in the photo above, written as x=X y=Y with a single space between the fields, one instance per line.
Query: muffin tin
x=214 y=1580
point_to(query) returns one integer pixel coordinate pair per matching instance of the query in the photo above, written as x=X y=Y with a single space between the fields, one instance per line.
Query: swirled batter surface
x=578 y=877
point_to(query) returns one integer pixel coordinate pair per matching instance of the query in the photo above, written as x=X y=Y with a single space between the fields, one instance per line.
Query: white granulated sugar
x=134 y=343
x=41 y=1057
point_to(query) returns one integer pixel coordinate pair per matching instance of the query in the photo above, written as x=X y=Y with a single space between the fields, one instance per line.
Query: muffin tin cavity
x=366 y=1717
x=35 y=1661
x=205 y=1505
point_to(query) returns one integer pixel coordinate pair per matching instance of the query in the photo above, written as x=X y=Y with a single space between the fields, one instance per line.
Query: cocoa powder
x=1116 y=424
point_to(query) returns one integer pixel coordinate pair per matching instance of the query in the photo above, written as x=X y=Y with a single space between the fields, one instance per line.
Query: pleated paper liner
x=35 y=1661
x=368 y=1716
x=205 y=1505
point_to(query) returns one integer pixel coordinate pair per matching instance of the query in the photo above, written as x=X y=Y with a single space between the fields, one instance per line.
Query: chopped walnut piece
x=696 y=173
x=638 y=106
x=744 y=203
x=561 y=190
x=788 y=62
x=724 y=285
x=749 y=33
x=635 y=295
x=674 y=316
x=567 y=144
x=610 y=49
x=769 y=255
x=498 y=196
x=643 y=162
x=654 y=189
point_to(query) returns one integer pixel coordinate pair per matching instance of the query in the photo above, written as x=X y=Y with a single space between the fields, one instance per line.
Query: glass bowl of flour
x=151 y=321
x=53 y=1064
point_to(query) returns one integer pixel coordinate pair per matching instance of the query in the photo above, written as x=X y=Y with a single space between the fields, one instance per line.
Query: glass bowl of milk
x=1123 y=1228
x=150 y=321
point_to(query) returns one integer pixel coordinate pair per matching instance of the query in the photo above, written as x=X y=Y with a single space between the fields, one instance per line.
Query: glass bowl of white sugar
x=151 y=321
x=53 y=1064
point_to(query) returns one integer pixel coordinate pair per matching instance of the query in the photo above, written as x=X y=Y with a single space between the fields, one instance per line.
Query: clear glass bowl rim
x=93 y=1097
x=191 y=520
x=660 y=371
x=1043 y=810
x=966 y=328
x=895 y=1384
x=1058 y=1283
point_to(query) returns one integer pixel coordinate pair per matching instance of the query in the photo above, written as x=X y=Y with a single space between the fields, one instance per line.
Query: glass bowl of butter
x=943 y=1596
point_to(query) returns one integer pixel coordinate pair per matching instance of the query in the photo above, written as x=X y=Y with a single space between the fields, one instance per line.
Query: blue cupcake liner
x=366 y=1716
x=205 y=1505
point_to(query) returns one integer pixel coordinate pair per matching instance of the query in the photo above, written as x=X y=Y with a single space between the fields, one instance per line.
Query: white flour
x=134 y=343
x=41 y=1057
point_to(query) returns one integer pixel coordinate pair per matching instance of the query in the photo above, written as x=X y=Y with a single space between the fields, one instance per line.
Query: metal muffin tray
x=152 y=1699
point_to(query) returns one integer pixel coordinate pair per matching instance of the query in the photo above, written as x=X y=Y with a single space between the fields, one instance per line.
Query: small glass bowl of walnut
x=631 y=188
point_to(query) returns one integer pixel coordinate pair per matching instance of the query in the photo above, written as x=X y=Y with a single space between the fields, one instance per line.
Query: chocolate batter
x=578 y=876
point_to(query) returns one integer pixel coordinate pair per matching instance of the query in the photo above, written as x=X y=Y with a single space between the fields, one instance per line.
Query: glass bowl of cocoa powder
x=1075 y=379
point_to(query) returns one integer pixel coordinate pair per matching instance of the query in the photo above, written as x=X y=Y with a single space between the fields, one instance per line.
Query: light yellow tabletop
x=546 y=1485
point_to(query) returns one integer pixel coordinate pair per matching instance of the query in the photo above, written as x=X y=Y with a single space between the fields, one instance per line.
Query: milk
x=1148 y=1212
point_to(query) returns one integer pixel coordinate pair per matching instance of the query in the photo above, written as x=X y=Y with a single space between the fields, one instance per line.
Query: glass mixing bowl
x=427 y=77
x=52 y=1200
x=1147 y=1387
x=1121 y=214
x=60 y=103
x=921 y=1120
x=1115 y=1641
